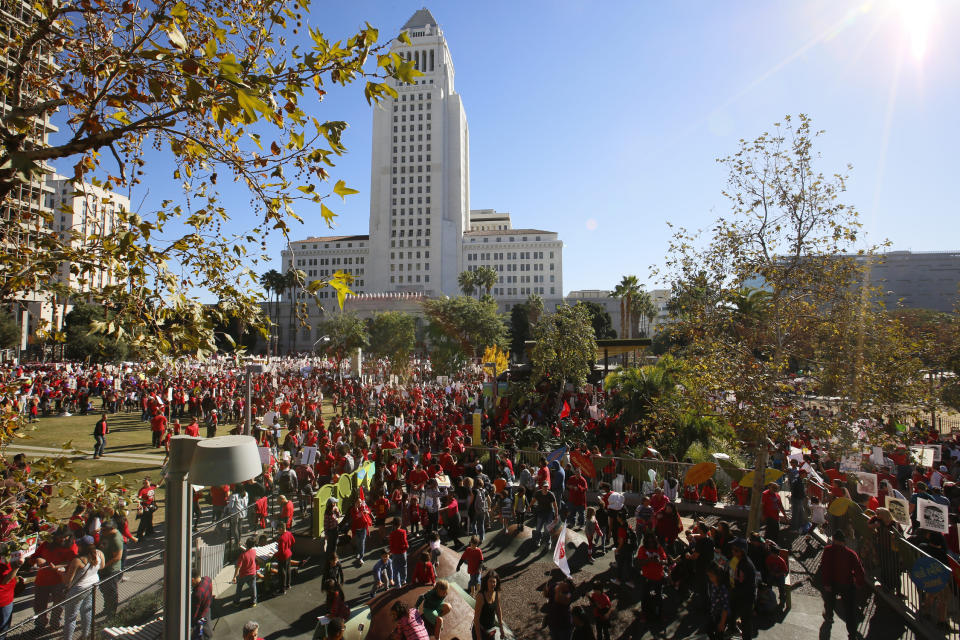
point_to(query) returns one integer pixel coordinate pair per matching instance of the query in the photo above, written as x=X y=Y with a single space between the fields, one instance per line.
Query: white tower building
x=420 y=173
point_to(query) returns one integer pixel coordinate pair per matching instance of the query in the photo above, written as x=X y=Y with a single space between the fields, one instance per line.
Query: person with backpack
x=287 y=480
x=798 y=502
x=360 y=521
x=544 y=506
x=477 y=509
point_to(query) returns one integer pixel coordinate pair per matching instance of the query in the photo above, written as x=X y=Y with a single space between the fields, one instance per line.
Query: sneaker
x=614 y=581
x=631 y=585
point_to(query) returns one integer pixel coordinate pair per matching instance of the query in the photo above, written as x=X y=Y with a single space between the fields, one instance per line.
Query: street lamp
x=210 y=462
x=252 y=369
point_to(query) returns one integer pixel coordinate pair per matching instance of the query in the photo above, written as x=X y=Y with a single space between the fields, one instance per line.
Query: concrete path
x=56 y=452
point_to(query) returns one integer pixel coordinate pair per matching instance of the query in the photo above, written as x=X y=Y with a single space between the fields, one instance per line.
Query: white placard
x=851 y=462
x=307 y=455
x=264 y=455
x=933 y=515
x=900 y=510
x=594 y=412
x=812 y=473
x=867 y=483
x=937 y=451
x=876 y=455
x=269 y=417
x=922 y=455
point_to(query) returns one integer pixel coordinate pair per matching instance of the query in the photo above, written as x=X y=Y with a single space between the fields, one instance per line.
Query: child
x=473 y=557
x=424 y=572
x=381 y=509
x=413 y=515
x=332 y=570
x=601 y=611
x=382 y=573
x=777 y=570
x=520 y=505
x=592 y=530
x=818 y=515
x=506 y=510
x=690 y=493
x=434 y=545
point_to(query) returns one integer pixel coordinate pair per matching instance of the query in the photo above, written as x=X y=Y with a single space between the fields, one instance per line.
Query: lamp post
x=214 y=461
x=252 y=369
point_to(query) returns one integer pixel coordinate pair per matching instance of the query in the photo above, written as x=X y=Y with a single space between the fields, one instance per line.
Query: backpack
x=286 y=482
x=480 y=502
x=632 y=542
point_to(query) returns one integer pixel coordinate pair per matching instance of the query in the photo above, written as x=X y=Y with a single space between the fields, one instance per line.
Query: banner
x=560 y=552
x=556 y=455
x=583 y=462
x=933 y=515
x=867 y=483
x=899 y=509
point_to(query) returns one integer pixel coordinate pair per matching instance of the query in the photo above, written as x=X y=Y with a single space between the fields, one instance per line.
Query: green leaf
x=296 y=139
x=179 y=12
x=251 y=104
x=229 y=66
x=342 y=190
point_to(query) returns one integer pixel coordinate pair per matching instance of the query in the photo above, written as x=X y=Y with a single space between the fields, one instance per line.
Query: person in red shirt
x=708 y=495
x=398 y=553
x=841 y=572
x=577 y=498
x=148 y=504
x=286 y=511
x=218 y=498
x=192 y=429
x=158 y=424
x=601 y=611
x=48 y=587
x=8 y=582
x=658 y=500
x=543 y=474
x=424 y=572
x=473 y=557
x=772 y=510
x=652 y=559
x=381 y=509
x=245 y=572
x=417 y=478
x=360 y=521
x=284 y=554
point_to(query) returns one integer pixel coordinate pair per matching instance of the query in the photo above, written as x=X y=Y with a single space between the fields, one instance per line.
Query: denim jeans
x=575 y=515
x=543 y=527
x=798 y=514
x=399 y=561
x=77 y=603
x=478 y=526
x=360 y=542
x=247 y=580
x=6 y=613
x=101 y=443
x=109 y=586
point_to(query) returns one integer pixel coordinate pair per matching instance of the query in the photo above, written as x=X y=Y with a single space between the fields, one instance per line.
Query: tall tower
x=420 y=173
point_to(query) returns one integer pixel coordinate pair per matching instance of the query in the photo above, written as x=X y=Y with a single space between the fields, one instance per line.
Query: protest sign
x=932 y=515
x=867 y=483
x=899 y=509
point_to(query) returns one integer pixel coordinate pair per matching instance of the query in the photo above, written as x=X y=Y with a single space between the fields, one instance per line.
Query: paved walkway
x=55 y=452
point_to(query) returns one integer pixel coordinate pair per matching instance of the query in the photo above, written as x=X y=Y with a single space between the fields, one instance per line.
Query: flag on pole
x=566 y=410
x=556 y=455
x=560 y=552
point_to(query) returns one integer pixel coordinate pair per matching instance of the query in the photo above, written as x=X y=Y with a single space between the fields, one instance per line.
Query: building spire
x=422 y=18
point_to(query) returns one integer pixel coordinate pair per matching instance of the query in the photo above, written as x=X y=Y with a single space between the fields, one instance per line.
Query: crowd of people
x=433 y=487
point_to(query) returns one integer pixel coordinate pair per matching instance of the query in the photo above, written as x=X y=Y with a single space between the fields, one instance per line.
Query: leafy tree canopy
x=342 y=334
x=565 y=348
x=473 y=325
x=600 y=320
x=230 y=93
x=393 y=335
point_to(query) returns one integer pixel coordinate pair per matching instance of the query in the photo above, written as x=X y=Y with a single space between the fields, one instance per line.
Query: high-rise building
x=422 y=231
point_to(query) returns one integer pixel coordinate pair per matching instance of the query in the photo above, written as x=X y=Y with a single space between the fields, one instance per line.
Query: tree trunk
x=759 y=474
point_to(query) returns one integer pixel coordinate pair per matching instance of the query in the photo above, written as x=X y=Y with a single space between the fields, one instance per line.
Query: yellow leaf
x=327 y=214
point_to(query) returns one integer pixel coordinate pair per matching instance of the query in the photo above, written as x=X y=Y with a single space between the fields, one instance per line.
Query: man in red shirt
x=158 y=424
x=218 y=498
x=841 y=572
x=577 y=498
x=192 y=429
x=772 y=510
x=398 y=553
x=283 y=555
x=245 y=572
x=48 y=586
x=417 y=478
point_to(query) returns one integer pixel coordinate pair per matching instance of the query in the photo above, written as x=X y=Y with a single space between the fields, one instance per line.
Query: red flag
x=583 y=462
x=566 y=410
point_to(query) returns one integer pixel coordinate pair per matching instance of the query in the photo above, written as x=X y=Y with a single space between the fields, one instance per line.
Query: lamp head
x=225 y=460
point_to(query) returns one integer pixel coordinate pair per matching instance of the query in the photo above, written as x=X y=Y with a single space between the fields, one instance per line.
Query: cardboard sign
x=308 y=455
x=899 y=509
x=930 y=575
x=922 y=455
x=851 y=462
x=867 y=483
x=583 y=462
x=933 y=515
x=876 y=456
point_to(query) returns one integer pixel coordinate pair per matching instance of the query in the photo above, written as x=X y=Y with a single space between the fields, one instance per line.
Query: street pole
x=248 y=414
x=178 y=519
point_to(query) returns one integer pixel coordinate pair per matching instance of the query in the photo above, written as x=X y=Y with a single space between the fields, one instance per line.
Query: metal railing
x=134 y=595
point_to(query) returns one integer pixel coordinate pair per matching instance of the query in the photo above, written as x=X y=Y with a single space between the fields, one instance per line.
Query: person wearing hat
x=111 y=545
x=48 y=586
x=743 y=583
x=841 y=572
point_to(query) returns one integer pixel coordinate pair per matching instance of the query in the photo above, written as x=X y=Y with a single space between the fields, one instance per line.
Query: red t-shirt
x=398 y=541
x=6 y=590
x=147 y=494
x=424 y=573
x=473 y=556
x=577 y=486
x=158 y=422
x=218 y=495
x=286 y=514
x=658 y=501
x=54 y=554
x=649 y=565
x=247 y=563
x=285 y=546
x=601 y=603
x=771 y=504
x=192 y=429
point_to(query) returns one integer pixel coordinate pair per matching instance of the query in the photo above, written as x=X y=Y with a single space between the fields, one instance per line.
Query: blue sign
x=930 y=575
x=556 y=455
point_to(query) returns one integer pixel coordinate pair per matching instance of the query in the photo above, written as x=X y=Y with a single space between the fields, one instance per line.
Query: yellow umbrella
x=700 y=473
x=770 y=475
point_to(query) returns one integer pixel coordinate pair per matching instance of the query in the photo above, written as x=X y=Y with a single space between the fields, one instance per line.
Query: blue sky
x=603 y=120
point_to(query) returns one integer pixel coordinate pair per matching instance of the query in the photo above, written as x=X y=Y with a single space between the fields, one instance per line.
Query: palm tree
x=467 y=282
x=485 y=277
x=292 y=281
x=534 y=307
x=645 y=310
x=273 y=282
x=626 y=291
